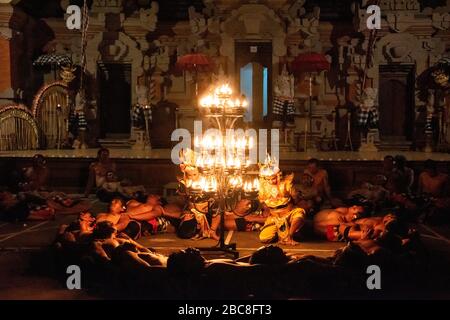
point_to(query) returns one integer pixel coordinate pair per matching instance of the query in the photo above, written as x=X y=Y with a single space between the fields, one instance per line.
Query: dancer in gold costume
x=277 y=195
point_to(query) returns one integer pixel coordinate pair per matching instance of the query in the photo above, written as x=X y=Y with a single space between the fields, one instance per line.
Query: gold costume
x=278 y=198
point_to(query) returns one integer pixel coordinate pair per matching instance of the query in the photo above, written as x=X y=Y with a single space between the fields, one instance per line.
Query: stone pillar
x=6 y=79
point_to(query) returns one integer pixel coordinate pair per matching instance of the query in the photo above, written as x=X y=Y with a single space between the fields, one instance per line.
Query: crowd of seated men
x=28 y=198
x=111 y=258
x=393 y=190
x=373 y=224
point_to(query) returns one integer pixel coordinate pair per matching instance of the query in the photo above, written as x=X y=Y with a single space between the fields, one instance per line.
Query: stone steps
x=115 y=143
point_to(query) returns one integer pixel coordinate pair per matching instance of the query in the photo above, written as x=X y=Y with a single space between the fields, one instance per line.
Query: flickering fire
x=220 y=97
x=251 y=186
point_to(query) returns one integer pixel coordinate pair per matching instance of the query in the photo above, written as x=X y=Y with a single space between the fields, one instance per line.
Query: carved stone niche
x=123 y=49
x=253 y=22
x=400 y=48
x=106 y=6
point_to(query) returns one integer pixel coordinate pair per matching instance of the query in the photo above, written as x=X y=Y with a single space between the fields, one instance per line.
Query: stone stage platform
x=26 y=267
x=154 y=169
x=36 y=235
x=33 y=236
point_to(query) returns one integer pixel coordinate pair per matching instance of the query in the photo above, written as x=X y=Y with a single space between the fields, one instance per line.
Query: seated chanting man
x=98 y=173
x=24 y=206
x=116 y=216
x=35 y=177
x=374 y=193
x=375 y=227
x=154 y=215
x=308 y=194
x=277 y=195
x=332 y=224
x=320 y=179
x=109 y=246
x=435 y=185
x=244 y=217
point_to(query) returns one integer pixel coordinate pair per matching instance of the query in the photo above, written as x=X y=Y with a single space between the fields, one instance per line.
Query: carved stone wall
x=409 y=35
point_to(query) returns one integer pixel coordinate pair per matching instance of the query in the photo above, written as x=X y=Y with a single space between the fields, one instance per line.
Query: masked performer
x=277 y=195
x=196 y=218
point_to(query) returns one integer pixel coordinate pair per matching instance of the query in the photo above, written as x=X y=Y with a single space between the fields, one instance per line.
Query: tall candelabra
x=222 y=160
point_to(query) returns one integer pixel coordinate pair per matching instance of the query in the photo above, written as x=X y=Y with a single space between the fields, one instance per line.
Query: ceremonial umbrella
x=195 y=63
x=308 y=63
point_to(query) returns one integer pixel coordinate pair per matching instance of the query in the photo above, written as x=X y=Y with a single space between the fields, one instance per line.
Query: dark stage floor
x=19 y=243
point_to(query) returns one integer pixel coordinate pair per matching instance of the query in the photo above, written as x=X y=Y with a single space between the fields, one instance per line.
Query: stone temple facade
x=145 y=38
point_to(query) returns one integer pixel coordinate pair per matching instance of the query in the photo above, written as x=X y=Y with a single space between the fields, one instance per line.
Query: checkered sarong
x=138 y=117
x=368 y=117
x=77 y=121
x=279 y=105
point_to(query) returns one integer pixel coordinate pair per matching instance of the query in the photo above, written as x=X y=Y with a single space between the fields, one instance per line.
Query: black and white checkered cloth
x=138 y=116
x=279 y=106
x=368 y=117
x=77 y=121
x=52 y=59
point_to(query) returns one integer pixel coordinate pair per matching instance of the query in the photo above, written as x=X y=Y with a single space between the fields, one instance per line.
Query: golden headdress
x=269 y=168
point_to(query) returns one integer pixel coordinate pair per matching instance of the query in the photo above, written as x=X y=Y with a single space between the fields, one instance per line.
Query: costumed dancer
x=277 y=195
x=194 y=220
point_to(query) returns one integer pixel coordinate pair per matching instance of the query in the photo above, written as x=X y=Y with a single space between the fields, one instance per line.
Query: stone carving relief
x=400 y=21
x=159 y=60
x=398 y=15
x=197 y=22
x=145 y=18
x=441 y=21
x=402 y=14
x=149 y=17
x=253 y=21
x=397 y=48
x=106 y=6
x=299 y=20
x=440 y=16
x=307 y=24
x=399 y=5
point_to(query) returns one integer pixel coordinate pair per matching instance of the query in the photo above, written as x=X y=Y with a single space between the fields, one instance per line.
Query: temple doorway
x=254 y=73
x=396 y=103
x=114 y=99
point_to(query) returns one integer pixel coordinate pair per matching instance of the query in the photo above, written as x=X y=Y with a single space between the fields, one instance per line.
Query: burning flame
x=220 y=97
x=235 y=181
x=251 y=186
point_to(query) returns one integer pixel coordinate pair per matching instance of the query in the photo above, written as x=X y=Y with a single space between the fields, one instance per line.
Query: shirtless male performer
x=333 y=223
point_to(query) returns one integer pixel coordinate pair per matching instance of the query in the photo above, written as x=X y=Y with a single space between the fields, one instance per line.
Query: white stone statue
x=283 y=102
x=142 y=94
x=284 y=85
